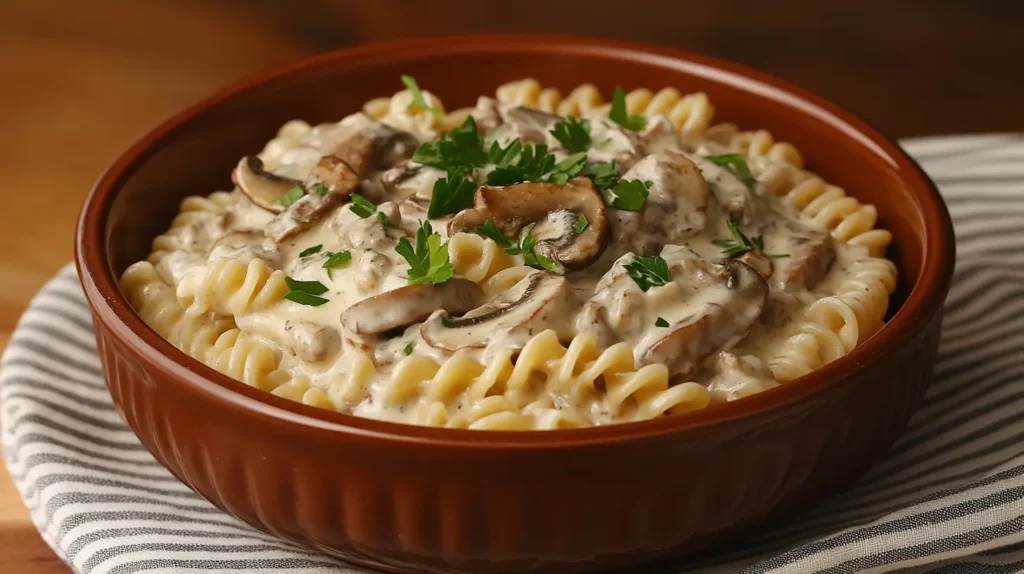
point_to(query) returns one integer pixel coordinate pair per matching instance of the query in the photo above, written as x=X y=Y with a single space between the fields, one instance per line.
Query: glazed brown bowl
x=396 y=496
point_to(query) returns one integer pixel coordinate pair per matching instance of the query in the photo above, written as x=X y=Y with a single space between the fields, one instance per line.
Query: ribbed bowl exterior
x=446 y=510
x=410 y=498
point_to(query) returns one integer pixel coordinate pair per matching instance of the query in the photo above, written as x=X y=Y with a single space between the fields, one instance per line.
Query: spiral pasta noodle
x=755 y=144
x=230 y=287
x=151 y=297
x=477 y=258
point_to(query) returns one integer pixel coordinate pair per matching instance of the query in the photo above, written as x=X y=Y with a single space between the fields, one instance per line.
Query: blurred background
x=81 y=80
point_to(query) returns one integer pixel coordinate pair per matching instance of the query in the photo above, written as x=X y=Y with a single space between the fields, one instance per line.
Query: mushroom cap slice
x=811 y=258
x=410 y=304
x=370 y=144
x=725 y=319
x=332 y=181
x=510 y=208
x=261 y=186
x=539 y=301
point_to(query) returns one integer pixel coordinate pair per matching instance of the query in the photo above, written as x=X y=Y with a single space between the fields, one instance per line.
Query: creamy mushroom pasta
x=533 y=262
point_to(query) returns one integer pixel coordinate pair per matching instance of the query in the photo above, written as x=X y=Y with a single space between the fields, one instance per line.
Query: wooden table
x=81 y=80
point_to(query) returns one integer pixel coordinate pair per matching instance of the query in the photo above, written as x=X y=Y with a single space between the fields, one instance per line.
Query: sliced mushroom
x=760 y=262
x=410 y=304
x=555 y=209
x=811 y=257
x=738 y=296
x=331 y=181
x=312 y=342
x=369 y=144
x=539 y=301
x=529 y=125
x=676 y=207
x=261 y=187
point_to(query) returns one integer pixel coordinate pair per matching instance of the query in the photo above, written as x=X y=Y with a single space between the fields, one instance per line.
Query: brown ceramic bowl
x=396 y=496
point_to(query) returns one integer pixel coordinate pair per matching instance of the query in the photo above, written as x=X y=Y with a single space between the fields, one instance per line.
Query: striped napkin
x=950 y=497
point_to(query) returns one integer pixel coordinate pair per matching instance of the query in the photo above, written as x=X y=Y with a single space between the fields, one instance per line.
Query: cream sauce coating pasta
x=574 y=273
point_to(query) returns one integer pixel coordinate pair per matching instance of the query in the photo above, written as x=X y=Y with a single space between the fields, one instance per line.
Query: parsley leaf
x=291 y=197
x=336 y=260
x=735 y=163
x=567 y=169
x=305 y=292
x=417 y=96
x=581 y=224
x=525 y=248
x=627 y=195
x=740 y=243
x=361 y=206
x=408 y=348
x=661 y=323
x=603 y=174
x=311 y=250
x=321 y=188
x=489 y=229
x=648 y=272
x=535 y=163
x=447 y=322
x=503 y=157
x=458 y=148
x=573 y=134
x=451 y=194
x=618 y=112
x=384 y=221
x=428 y=261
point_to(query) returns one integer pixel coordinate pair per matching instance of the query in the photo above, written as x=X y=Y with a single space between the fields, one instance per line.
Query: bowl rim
x=112 y=309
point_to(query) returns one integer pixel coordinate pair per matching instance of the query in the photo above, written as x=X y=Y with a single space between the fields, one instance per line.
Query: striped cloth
x=950 y=497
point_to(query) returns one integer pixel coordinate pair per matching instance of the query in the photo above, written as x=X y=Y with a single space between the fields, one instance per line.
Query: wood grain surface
x=81 y=80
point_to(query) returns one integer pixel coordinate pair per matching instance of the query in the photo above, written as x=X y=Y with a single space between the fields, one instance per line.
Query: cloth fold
x=949 y=497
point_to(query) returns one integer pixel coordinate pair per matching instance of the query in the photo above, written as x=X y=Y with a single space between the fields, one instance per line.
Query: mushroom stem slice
x=539 y=301
x=260 y=186
x=410 y=304
x=511 y=208
x=330 y=182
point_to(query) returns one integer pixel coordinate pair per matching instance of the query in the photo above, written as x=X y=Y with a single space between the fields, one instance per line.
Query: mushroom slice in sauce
x=554 y=208
x=811 y=257
x=530 y=125
x=332 y=174
x=539 y=301
x=410 y=304
x=676 y=207
x=372 y=145
x=260 y=186
x=312 y=342
x=720 y=315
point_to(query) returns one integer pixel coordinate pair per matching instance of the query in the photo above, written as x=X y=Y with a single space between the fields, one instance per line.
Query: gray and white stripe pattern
x=950 y=497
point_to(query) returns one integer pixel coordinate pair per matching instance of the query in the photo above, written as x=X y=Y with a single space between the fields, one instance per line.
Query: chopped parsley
x=661 y=323
x=417 y=96
x=447 y=322
x=627 y=195
x=428 y=260
x=648 y=272
x=573 y=134
x=384 y=221
x=567 y=169
x=320 y=189
x=291 y=197
x=489 y=229
x=408 y=348
x=336 y=260
x=311 y=250
x=305 y=292
x=740 y=243
x=361 y=206
x=525 y=248
x=603 y=174
x=459 y=148
x=503 y=156
x=735 y=163
x=536 y=163
x=581 y=224
x=451 y=194
x=619 y=115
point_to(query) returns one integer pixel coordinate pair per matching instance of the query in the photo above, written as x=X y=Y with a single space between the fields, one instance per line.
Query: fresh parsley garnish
x=384 y=221
x=447 y=322
x=535 y=163
x=361 y=206
x=740 y=243
x=451 y=194
x=648 y=272
x=661 y=323
x=573 y=134
x=311 y=250
x=603 y=174
x=428 y=261
x=567 y=169
x=627 y=195
x=458 y=148
x=291 y=197
x=619 y=115
x=320 y=188
x=408 y=348
x=503 y=156
x=525 y=248
x=735 y=163
x=581 y=224
x=336 y=260
x=305 y=292
x=489 y=229
x=417 y=96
